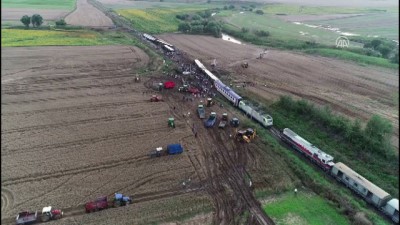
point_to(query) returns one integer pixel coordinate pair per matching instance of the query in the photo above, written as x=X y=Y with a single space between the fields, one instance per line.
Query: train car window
x=355 y=184
x=346 y=178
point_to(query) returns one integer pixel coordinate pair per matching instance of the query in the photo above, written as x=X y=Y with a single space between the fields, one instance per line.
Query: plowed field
x=88 y=16
x=76 y=126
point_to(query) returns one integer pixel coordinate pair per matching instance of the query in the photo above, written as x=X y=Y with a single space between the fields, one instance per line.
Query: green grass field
x=39 y=4
x=304 y=209
x=157 y=20
x=20 y=37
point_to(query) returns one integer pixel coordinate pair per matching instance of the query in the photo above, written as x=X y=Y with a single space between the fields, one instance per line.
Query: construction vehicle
x=211 y=120
x=245 y=64
x=121 y=200
x=99 y=204
x=201 y=112
x=210 y=102
x=235 y=122
x=157 y=153
x=223 y=121
x=245 y=135
x=171 y=122
x=47 y=214
x=155 y=98
x=241 y=136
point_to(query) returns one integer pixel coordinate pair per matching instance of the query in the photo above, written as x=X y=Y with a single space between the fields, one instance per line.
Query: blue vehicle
x=174 y=149
x=210 y=122
x=121 y=200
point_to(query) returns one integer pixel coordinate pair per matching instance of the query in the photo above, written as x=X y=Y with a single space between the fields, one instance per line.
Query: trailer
x=26 y=217
x=211 y=120
x=174 y=149
x=224 y=121
x=201 y=112
x=99 y=204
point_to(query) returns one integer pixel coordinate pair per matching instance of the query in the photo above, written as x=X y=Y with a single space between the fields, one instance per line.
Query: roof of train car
x=201 y=66
x=148 y=36
x=227 y=89
x=362 y=181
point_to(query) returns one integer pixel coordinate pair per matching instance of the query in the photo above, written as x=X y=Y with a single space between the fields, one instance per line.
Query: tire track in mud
x=84 y=169
x=71 y=88
x=237 y=182
x=7 y=199
x=6 y=151
x=76 y=108
x=136 y=116
x=80 y=208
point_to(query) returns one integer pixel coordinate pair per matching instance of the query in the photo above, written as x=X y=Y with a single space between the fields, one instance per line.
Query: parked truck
x=211 y=120
x=201 y=112
x=224 y=121
x=26 y=217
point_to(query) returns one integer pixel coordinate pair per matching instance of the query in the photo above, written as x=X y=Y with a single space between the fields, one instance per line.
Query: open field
x=289 y=209
x=50 y=10
x=350 y=89
x=88 y=16
x=76 y=126
x=39 y=4
x=17 y=37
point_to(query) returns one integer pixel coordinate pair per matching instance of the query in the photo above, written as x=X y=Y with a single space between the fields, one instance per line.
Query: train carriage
x=372 y=193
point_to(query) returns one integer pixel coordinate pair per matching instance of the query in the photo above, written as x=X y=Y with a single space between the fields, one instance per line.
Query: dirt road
x=88 y=16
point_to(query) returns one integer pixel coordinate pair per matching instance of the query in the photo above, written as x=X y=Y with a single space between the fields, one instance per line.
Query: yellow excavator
x=245 y=135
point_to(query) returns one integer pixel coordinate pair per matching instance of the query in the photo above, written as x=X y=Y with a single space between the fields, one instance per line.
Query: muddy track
x=80 y=208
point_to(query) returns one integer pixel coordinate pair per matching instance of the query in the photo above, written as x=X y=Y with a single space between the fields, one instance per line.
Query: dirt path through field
x=88 y=16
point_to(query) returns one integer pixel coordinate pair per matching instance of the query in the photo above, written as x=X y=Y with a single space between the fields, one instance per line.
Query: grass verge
x=39 y=4
x=304 y=208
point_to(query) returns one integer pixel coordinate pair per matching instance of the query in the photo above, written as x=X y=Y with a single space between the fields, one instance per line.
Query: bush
x=261 y=33
x=61 y=22
x=259 y=12
x=231 y=6
x=245 y=30
x=196 y=17
x=184 y=27
x=197 y=29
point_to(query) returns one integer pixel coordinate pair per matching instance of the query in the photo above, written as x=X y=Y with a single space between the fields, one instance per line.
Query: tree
x=384 y=50
x=197 y=29
x=37 y=20
x=375 y=43
x=245 y=30
x=184 y=27
x=378 y=128
x=231 y=6
x=395 y=58
x=26 y=20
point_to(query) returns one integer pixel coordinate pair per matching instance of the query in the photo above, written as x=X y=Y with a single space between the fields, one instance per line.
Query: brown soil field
x=88 y=16
x=15 y=14
x=76 y=126
x=348 y=88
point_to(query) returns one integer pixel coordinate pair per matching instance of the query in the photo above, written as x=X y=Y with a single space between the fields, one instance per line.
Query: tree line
x=37 y=20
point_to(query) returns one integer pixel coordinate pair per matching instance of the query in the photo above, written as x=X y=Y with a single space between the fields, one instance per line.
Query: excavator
x=245 y=135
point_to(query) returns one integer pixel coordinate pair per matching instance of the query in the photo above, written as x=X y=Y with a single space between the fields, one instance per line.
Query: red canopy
x=169 y=84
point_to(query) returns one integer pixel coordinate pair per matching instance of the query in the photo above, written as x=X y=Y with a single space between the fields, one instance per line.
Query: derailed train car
x=369 y=191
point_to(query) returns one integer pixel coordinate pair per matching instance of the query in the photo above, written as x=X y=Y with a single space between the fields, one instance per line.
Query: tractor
x=157 y=153
x=155 y=98
x=121 y=200
x=171 y=122
x=49 y=214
